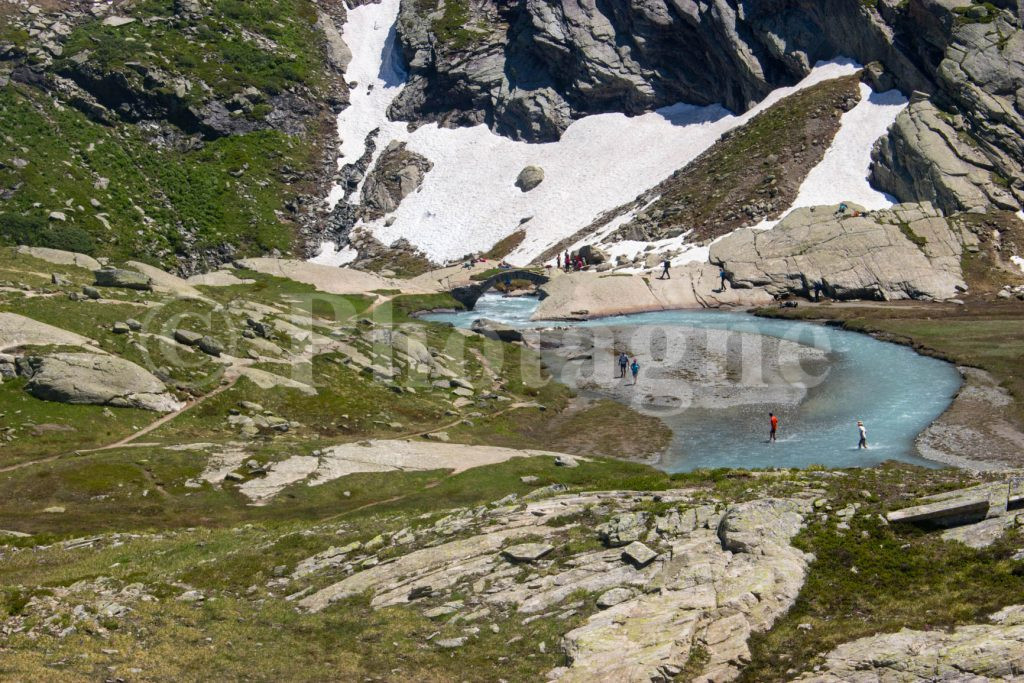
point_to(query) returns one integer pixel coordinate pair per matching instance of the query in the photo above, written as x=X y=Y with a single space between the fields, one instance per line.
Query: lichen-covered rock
x=97 y=379
x=908 y=251
x=623 y=528
x=978 y=652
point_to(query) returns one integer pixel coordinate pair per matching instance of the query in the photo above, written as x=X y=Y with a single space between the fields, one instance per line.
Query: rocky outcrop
x=397 y=173
x=17 y=331
x=592 y=295
x=906 y=252
x=983 y=74
x=529 y=69
x=719 y=584
x=962 y=148
x=926 y=158
x=977 y=652
x=61 y=257
x=96 y=379
x=691 y=578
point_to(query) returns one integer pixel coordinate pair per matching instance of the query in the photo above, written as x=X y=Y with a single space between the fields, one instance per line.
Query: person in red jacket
x=775 y=427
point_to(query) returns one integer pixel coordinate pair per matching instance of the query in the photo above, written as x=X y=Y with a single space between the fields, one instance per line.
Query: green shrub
x=36 y=231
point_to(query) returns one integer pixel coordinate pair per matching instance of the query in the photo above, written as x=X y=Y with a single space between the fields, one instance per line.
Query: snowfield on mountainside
x=469 y=201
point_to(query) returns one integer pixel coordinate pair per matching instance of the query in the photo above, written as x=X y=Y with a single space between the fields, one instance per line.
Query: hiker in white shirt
x=863 y=443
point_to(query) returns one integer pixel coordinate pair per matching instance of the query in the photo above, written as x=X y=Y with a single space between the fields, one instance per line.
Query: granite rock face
x=978 y=652
x=397 y=173
x=906 y=252
x=528 y=69
x=925 y=157
x=704 y=576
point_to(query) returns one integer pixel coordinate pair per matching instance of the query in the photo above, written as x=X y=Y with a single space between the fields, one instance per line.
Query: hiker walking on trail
x=775 y=427
x=558 y=260
x=623 y=364
x=565 y=261
x=863 y=443
x=664 y=272
x=635 y=369
x=721 y=276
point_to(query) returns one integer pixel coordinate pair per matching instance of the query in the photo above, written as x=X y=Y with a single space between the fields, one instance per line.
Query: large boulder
x=593 y=255
x=529 y=178
x=909 y=251
x=120 y=277
x=496 y=330
x=97 y=379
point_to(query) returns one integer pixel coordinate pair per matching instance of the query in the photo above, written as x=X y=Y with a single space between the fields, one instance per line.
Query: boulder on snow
x=529 y=178
x=97 y=379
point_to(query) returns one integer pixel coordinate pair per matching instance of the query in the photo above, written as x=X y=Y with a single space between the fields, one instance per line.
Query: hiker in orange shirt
x=775 y=427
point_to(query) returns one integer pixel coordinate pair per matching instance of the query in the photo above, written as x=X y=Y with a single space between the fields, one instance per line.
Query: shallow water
x=895 y=391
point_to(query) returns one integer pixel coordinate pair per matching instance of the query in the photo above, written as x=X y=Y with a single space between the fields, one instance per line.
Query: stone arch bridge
x=468 y=294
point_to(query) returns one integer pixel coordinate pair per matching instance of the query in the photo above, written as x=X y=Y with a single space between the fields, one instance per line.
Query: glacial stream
x=716 y=395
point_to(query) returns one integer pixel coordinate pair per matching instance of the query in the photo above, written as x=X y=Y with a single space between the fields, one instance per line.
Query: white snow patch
x=842 y=174
x=330 y=255
x=468 y=201
x=376 y=69
x=1019 y=261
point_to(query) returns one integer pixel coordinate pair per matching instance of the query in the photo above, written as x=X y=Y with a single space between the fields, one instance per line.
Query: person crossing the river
x=775 y=427
x=635 y=369
x=623 y=364
x=863 y=443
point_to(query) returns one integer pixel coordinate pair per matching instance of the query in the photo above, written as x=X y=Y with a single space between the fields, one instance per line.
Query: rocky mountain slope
x=183 y=131
x=545 y=73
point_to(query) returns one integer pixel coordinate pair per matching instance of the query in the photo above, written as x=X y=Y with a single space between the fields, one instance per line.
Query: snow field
x=468 y=201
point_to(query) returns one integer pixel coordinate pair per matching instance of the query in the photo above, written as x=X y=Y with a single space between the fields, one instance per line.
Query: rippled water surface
x=895 y=391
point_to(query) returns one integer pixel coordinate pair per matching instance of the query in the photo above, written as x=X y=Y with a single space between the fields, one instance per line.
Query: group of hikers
x=862 y=431
x=570 y=262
